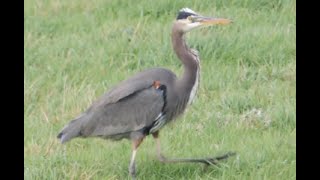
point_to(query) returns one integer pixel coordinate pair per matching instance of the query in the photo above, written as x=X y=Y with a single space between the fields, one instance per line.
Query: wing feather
x=135 y=112
x=136 y=83
x=130 y=106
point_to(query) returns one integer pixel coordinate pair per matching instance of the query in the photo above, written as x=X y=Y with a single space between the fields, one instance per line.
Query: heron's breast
x=195 y=85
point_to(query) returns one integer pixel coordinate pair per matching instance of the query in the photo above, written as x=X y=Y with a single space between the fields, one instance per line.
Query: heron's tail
x=71 y=130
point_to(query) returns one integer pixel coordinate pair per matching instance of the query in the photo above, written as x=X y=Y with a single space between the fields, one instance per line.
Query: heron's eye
x=190 y=18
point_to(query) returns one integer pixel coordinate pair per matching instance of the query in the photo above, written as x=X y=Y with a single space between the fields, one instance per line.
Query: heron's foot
x=132 y=171
x=206 y=161
x=215 y=160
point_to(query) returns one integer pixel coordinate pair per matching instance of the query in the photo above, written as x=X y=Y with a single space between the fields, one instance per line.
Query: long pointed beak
x=211 y=20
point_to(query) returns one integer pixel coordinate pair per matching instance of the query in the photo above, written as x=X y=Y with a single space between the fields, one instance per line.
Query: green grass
x=76 y=50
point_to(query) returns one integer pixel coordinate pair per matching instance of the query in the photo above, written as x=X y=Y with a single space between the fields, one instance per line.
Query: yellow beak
x=215 y=21
x=211 y=21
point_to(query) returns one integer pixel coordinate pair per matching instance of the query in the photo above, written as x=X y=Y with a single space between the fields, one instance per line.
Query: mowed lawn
x=76 y=50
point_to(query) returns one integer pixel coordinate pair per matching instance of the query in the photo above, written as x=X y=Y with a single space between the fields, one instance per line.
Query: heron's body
x=127 y=110
x=103 y=119
x=144 y=103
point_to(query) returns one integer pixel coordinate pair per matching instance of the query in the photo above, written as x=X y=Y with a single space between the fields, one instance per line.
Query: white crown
x=187 y=10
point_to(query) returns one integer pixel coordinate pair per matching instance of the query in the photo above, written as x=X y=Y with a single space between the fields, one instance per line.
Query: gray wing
x=132 y=113
x=137 y=82
x=127 y=107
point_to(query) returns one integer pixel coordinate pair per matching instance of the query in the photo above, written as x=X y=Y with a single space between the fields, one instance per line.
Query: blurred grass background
x=76 y=50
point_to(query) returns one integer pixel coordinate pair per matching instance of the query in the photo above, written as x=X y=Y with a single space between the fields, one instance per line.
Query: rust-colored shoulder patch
x=156 y=84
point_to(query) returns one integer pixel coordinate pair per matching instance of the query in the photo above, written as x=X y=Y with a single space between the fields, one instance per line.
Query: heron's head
x=188 y=20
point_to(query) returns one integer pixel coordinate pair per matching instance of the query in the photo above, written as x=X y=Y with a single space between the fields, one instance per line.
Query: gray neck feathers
x=186 y=86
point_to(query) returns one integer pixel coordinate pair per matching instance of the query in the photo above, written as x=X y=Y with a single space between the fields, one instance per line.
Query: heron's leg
x=132 y=165
x=158 y=146
x=207 y=161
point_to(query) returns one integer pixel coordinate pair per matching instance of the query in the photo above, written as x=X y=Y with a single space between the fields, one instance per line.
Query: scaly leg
x=132 y=165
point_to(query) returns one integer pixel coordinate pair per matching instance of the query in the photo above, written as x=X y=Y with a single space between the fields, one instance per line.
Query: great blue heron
x=144 y=103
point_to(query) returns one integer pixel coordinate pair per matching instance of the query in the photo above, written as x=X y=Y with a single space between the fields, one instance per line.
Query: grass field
x=76 y=50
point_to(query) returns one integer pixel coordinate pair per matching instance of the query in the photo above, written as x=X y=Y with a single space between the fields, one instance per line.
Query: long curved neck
x=187 y=85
